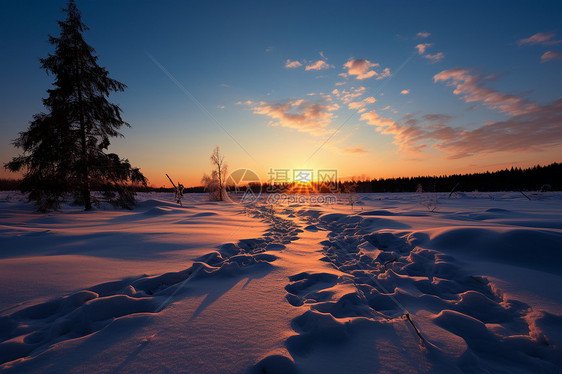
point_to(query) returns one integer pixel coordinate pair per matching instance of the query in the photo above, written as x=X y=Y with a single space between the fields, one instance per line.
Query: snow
x=470 y=284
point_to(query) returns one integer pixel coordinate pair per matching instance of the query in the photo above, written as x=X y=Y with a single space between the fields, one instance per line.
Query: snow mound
x=539 y=249
x=386 y=278
x=275 y=364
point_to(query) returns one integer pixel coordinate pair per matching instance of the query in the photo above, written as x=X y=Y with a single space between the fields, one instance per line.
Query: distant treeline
x=9 y=184
x=514 y=179
x=535 y=178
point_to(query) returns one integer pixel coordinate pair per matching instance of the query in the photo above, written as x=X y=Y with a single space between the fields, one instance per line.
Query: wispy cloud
x=292 y=64
x=422 y=51
x=434 y=57
x=534 y=131
x=470 y=88
x=384 y=74
x=437 y=118
x=355 y=150
x=422 y=35
x=550 y=56
x=404 y=92
x=360 y=105
x=362 y=69
x=422 y=47
x=318 y=65
x=527 y=132
x=301 y=115
x=544 y=38
x=404 y=136
x=347 y=96
x=374 y=119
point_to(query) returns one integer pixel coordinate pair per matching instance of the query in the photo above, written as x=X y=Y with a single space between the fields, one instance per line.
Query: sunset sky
x=380 y=89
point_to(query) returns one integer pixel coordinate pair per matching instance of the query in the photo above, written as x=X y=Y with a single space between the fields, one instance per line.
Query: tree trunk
x=84 y=156
x=84 y=151
x=220 y=182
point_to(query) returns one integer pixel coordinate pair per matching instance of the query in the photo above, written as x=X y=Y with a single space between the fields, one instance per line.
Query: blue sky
x=494 y=103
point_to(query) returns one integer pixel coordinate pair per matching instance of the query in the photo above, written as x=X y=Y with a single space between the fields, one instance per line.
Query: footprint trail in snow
x=388 y=279
x=34 y=329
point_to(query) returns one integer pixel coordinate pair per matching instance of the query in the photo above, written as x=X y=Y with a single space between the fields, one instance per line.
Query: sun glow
x=303 y=187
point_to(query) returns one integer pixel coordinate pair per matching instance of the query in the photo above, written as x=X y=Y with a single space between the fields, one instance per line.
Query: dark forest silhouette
x=515 y=179
x=535 y=178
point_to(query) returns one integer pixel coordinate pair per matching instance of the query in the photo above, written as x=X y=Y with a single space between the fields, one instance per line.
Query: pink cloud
x=550 y=56
x=422 y=35
x=355 y=150
x=381 y=123
x=360 y=105
x=385 y=74
x=292 y=64
x=544 y=38
x=526 y=132
x=347 y=96
x=434 y=57
x=360 y=68
x=470 y=88
x=405 y=137
x=422 y=47
x=404 y=92
x=301 y=115
x=534 y=131
x=318 y=65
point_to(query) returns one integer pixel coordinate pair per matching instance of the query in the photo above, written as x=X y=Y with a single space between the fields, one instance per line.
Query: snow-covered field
x=396 y=283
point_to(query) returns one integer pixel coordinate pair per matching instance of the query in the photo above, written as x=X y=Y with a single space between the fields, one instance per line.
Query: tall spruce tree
x=64 y=149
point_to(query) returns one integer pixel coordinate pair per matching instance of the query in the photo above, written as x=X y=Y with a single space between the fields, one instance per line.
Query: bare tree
x=214 y=183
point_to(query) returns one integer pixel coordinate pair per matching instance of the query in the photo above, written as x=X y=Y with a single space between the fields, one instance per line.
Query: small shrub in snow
x=430 y=202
